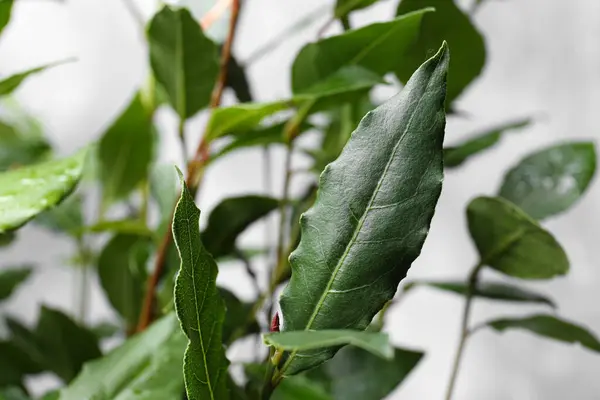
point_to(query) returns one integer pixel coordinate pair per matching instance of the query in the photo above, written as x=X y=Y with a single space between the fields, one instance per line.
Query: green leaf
x=164 y=190
x=199 y=306
x=237 y=80
x=121 y=226
x=376 y=343
x=380 y=47
x=551 y=327
x=183 y=59
x=10 y=279
x=550 y=181
x=17 y=149
x=230 y=218
x=105 y=330
x=27 y=191
x=489 y=290
x=122 y=273
x=238 y=314
x=299 y=388
x=125 y=151
x=355 y=374
x=5 y=11
x=67 y=217
x=51 y=395
x=455 y=156
x=146 y=367
x=371 y=216
x=509 y=241
x=13 y=393
x=8 y=85
x=447 y=23
x=344 y=7
x=15 y=364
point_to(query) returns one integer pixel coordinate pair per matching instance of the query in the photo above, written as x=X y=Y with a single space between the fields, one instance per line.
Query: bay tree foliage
x=344 y=243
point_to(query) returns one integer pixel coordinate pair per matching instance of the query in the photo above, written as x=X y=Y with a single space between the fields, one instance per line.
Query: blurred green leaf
x=125 y=151
x=15 y=365
x=164 y=190
x=230 y=218
x=344 y=7
x=121 y=226
x=13 y=393
x=11 y=278
x=199 y=306
x=356 y=374
x=147 y=366
x=5 y=11
x=509 y=241
x=447 y=23
x=122 y=273
x=51 y=395
x=17 y=149
x=551 y=327
x=7 y=238
x=238 y=314
x=237 y=80
x=376 y=343
x=550 y=181
x=67 y=217
x=105 y=330
x=455 y=156
x=488 y=290
x=299 y=388
x=380 y=47
x=260 y=136
x=183 y=59
x=27 y=191
x=8 y=85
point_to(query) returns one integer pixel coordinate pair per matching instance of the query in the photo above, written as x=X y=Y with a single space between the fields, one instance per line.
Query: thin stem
x=473 y=277
x=195 y=172
x=84 y=282
x=268 y=387
x=182 y=140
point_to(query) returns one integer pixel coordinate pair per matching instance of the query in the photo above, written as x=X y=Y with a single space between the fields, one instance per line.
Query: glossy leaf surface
x=230 y=218
x=199 y=306
x=353 y=249
x=447 y=23
x=551 y=327
x=457 y=155
x=374 y=342
x=27 y=191
x=509 y=241
x=125 y=151
x=183 y=59
x=10 y=279
x=489 y=290
x=550 y=181
x=152 y=359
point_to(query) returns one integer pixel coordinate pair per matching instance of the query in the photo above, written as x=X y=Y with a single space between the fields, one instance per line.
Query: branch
x=195 y=167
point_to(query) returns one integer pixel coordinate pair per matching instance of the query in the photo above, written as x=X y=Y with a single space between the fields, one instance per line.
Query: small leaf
x=122 y=273
x=17 y=149
x=374 y=342
x=27 y=191
x=10 y=279
x=371 y=217
x=125 y=151
x=344 y=7
x=447 y=23
x=551 y=327
x=456 y=155
x=5 y=11
x=67 y=217
x=512 y=243
x=121 y=226
x=146 y=365
x=355 y=374
x=380 y=47
x=183 y=59
x=199 y=306
x=550 y=181
x=230 y=218
x=489 y=290
x=261 y=136
x=299 y=388
x=8 y=85
x=164 y=190
x=237 y=80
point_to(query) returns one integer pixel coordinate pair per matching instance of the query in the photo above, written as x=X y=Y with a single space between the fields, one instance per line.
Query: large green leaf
x=380 y=47
x=344 y=7
x=122 y=273
x=356 y=374
x=11 y=278
x=199 y=306
x=456 y=155
x=447 y=23
x=509 y=241
x=125 y=151
x=488 y=290
x=8 y=85
x=183 y=59
x=146 y=367
x=376 y=343
x=299 y=388
x=5 y=11
x=551 y=327
x=27 y=191
x=371 y=216
x=230 y=218
x=550 y=181
x=17 y=149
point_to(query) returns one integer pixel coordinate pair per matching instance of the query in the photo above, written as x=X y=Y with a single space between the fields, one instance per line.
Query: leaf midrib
x=361 y=222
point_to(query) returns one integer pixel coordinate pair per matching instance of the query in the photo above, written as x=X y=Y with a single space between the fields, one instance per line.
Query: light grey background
x=543 y=60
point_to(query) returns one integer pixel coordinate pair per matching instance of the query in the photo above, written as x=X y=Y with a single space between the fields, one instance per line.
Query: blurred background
x=543 y=62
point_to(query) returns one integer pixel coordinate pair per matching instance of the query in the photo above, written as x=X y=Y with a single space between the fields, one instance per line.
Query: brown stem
x=195 y=168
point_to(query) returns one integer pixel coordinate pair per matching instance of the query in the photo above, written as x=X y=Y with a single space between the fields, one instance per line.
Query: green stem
x=84 y=283
x=473 y=278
